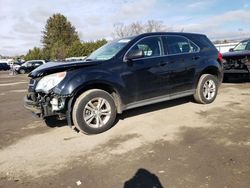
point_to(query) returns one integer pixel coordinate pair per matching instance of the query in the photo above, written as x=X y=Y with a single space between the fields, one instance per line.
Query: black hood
x=236 y=54
x=54 y=67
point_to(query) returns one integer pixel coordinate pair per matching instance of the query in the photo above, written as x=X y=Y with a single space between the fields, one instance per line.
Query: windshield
x=241 y=46
x=109 y=50
x=25 y=64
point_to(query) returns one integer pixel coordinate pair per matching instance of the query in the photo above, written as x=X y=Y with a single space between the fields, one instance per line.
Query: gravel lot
x=171 y=144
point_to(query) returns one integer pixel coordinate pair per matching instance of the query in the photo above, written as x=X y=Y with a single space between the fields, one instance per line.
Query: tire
x=207 y=89
x=22 y=71
x=94 y=112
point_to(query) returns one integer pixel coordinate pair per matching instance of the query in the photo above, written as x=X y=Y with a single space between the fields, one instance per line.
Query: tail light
x=220 y=57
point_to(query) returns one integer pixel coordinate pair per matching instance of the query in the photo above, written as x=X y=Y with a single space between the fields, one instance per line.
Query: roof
x=169 y=33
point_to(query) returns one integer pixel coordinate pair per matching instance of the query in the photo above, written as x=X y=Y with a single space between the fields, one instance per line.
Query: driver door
x=145 y=75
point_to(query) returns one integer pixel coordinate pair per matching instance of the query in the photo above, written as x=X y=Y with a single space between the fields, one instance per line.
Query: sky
x=22 y=22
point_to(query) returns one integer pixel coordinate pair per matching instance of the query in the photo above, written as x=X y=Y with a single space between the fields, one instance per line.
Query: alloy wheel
x=97 y=112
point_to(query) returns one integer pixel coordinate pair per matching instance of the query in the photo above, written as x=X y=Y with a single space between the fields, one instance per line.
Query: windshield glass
x=109 y=50
x=25 y=64
x=241 y=46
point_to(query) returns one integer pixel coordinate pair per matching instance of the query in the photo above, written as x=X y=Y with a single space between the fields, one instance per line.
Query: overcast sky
x=22 y=21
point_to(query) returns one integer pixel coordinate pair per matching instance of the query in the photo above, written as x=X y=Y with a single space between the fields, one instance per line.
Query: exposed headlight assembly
x=50 y=81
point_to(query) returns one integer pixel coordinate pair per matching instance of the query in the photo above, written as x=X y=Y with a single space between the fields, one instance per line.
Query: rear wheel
x=207 y=89
x=94 y=112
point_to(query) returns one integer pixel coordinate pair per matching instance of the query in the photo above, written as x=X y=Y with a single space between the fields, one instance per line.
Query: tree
x=76 y=50
x=35 y=53
x=59 y=34
x=135 y=28
x=85 y=48
x=58 y=51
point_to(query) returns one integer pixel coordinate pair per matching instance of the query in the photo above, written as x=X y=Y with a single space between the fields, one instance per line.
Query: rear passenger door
x=183 y=57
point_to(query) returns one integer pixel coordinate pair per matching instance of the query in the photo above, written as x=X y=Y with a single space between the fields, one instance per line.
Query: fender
x=80 y=80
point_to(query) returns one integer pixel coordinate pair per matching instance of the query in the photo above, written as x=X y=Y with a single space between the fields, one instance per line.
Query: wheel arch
x=213 y=70
x=109 y=88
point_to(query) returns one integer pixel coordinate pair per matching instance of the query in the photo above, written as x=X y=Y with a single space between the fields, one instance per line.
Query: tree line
x=60 y=39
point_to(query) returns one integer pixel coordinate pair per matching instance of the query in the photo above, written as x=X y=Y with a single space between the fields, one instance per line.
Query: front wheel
x=94 y=111
x=207 y=89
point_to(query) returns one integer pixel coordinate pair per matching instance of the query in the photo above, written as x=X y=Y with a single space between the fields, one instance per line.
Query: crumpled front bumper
x=40 y=110
x=32 y=106
x=45 y=109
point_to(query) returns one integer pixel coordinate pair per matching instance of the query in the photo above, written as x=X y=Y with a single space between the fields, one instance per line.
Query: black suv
x=124 y=74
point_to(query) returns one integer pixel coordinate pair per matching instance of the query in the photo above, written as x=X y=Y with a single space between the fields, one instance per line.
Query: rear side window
x=203 y=41
x=180 y=45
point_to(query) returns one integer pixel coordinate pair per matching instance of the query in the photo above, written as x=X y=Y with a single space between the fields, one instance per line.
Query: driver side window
x=29 y=64
x=151 y=47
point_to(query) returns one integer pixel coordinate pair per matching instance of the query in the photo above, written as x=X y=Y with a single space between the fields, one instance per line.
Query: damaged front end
x=41 y=99
x=235 y=63
x=49 y=92
x=45 y=105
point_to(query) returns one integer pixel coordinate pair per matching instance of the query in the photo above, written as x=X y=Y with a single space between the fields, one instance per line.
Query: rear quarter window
x=203 y=42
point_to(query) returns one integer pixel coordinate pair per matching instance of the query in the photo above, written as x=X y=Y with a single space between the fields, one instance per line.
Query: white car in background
x=28 y=66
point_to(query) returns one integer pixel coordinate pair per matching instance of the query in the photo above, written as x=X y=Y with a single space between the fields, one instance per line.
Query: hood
x=54 y=67
x=236 y=54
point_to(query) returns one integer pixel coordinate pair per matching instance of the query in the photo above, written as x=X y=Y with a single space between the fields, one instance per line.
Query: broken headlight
x=50 y=81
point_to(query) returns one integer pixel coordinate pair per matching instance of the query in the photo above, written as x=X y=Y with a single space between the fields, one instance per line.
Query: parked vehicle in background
x=15 y=65
x=237 y=60
x=7 y=60
x=125 y=74
x=29 y=66
x=4 y=66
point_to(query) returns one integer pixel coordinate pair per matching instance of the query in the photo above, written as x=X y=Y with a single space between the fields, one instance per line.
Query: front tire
x=207 y=89
x=94 y=112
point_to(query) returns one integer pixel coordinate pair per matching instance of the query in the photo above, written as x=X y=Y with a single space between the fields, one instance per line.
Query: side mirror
x=134 y=54
x=231 y=50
